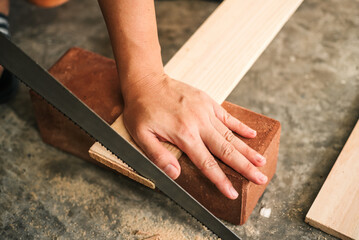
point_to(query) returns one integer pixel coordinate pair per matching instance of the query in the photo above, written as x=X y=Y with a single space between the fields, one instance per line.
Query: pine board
x=336 y=208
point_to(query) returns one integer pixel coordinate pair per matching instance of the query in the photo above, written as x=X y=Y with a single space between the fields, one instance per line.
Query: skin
x=4 y=8
x=159 y=108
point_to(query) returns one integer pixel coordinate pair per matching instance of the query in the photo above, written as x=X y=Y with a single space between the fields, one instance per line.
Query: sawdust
x=128 y=220
x=75 y=190
x=134 y=220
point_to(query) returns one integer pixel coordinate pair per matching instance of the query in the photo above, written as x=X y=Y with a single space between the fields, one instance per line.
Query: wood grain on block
x=336 y=208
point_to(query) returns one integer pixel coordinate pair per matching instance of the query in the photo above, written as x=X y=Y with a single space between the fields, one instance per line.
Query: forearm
x=133 y=32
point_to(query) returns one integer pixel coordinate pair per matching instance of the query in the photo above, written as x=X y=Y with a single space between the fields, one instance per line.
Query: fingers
x=233 y=123
x=254 y=157
x=225 y=151
x=158 y=154
x=204 y=161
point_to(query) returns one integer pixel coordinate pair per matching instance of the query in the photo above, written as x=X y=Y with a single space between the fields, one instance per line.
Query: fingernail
x=171 y=171
x=261 y=159
x=262 y=178
x=233 y=192
x=253 y=132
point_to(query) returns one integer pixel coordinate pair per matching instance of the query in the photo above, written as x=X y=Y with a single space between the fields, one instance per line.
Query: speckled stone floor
x=308 y=79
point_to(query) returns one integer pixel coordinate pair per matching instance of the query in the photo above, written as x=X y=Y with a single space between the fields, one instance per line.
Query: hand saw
x=34 y=76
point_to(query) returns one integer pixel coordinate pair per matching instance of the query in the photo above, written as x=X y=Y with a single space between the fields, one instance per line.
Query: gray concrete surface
x=307 y=78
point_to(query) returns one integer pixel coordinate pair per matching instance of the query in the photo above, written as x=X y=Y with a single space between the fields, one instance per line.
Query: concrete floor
x=308 y=79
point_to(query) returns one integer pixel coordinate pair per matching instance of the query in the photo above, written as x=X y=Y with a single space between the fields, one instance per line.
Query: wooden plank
x=336 y=208
x=222 y=50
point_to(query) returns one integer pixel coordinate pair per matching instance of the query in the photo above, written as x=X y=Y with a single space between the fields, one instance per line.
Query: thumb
x=158 y=154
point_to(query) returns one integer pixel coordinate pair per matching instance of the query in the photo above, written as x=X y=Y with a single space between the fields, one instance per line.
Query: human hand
x=158 y=108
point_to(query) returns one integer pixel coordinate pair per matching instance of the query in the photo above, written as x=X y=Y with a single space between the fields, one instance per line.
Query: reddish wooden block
x=93 y=78
x=235 y=211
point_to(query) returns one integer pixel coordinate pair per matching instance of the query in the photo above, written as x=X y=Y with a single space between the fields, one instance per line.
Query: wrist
x=134 y=87
x=140 y=66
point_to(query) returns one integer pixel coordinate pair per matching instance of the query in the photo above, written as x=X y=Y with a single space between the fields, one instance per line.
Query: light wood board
x=218 y=54
x=336 y=208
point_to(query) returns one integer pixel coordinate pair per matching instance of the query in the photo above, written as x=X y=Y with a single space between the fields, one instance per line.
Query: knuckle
x=246 y=151
x=186 y=133
x=226 y=117
x=158 y=158
x=248 y=168
x=221 y=181
x=252 y=153
x=209 y=163
x=227 y=149
x=228 y=135
x=138 y=131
